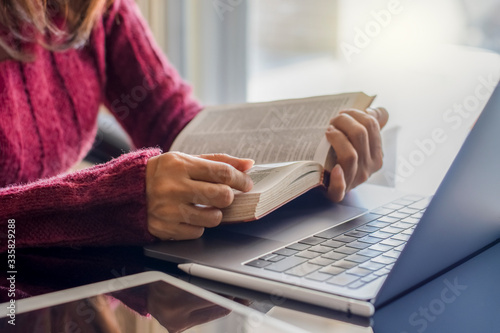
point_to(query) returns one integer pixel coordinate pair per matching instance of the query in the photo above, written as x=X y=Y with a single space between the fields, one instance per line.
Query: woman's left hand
x=355 y=137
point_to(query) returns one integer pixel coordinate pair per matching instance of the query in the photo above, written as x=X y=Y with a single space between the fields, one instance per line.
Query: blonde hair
x=54 y=24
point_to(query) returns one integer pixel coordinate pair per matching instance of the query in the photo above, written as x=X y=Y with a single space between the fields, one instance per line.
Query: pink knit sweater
x=48 y=111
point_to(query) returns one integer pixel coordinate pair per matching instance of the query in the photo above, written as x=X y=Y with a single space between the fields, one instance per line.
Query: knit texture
x=48 y=112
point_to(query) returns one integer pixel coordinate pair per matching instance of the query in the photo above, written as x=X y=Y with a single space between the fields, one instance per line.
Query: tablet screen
x=157 y=306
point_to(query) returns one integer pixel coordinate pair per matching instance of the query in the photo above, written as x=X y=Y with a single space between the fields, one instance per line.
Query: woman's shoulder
x=118 y=10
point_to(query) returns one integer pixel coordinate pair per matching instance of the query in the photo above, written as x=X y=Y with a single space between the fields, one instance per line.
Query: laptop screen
x=464 y=215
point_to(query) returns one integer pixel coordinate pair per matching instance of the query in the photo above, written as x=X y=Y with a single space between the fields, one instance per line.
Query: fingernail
x=337 y=170
x=330 y=128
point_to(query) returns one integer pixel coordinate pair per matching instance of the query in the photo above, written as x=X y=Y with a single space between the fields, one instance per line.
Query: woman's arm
x=142 y=89
x=102 y=205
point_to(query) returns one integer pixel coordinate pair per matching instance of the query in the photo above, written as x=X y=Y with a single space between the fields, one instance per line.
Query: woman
x=59 y=61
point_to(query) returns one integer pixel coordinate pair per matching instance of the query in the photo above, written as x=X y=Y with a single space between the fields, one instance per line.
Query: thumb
x=241 y=164
x=380 y=114
x=337 y=186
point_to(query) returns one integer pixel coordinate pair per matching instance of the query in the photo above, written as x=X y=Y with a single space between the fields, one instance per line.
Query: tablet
x=145 y=302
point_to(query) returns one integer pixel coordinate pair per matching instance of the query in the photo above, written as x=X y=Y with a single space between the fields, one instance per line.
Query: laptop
x=366 y=251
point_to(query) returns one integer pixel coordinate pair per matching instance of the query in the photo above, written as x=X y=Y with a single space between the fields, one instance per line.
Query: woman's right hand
x=185 y=193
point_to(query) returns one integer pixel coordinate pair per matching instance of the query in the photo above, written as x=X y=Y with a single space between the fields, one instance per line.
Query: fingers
x=337 y=187
x=177 y=231
x=365 y=134
x=380 y=114
x=221 y=172
x=185 y=193
x=347 y=157
x=203 y=193
x=241 y=164
x=352 y=124
x=355 y=137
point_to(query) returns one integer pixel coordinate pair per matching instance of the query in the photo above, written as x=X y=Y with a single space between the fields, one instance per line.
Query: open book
x=286 y=139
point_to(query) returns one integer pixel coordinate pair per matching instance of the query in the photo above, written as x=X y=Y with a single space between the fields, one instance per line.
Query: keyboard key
x=402 y=225
x=380 y=234
x=358 y=221
x=391 y=242
x=407 y=231
x=334 y=255
x=408 y=210
x=418 y=215
x=422 y=204
x=333 y=244
x=332 y=270
x=400 y=247
x=285 y=264
x=308 y=254
x=342 y=279
x=391 y=230
x=318 y=276
x=401 y=237
x=383 y=260
x=369 y=240
x=358 y=271
x=328 y=233
x=381 y=272
x=321 y=261
x=356 y=233
x=369 y=278
x=398 y=215
x=380 y=247
x=344 y=238
x=393 y=206
x=356 y=284
x=268 y=256
x=392 y=254
x=373 y=266
x=369 y=253
x=346 y=250
x=367 y=228
x=410 y=219
x=378 y=224
x=258 y=263
x=320 y=248
x=388 y=219
x=382 y=211
x=298 y=247
x=358 y=245
x=286 y=252
x=312 y=241
x=344 y=264
x=303 y=269
x=357 y=258
x=276 y=258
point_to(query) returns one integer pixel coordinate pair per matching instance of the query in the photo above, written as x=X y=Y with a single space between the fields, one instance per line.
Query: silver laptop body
x=374 y=246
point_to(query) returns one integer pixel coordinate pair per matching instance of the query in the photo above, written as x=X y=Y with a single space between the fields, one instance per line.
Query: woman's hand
x=355 y=137
x=185 y=193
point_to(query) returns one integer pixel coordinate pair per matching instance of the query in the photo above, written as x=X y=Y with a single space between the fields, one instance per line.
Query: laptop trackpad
x=298 y=219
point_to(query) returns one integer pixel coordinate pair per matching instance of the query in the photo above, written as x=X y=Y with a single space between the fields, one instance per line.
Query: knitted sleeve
x=142 y=90
x=102 y=205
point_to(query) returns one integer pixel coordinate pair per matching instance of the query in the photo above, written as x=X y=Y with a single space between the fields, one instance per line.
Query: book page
x=266 y=176
x=269 y=132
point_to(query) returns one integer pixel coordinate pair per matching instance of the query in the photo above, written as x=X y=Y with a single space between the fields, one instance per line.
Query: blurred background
x=432 y=64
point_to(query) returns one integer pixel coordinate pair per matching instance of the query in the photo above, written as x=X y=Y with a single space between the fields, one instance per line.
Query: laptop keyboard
x=352 y=258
